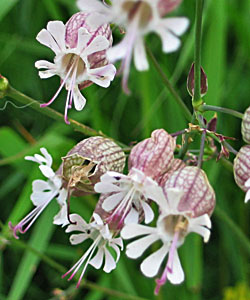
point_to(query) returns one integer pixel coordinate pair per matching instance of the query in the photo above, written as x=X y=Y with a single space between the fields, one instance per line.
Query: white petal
x=78 y=238
x=45 y=38
x=61 y=218
x=98 y=219
x=109 y=262
x=155 y=193
x=132 y=217
x=247 y=197
x=90 y=6
x=40 y=185
x=40 y=198
x=79 y=100
x=174 y=196
x=44 y=64
x=136 y=248
x=63 y=194
x=46 y=74
x=47 y=171
x=31 y=158
x=117 y=250
x=150 y=266
x=103 y=75
x=140 y=57
x=83 y=38
x=103 y=187
x=177 y=25
x=132 y=230
x=178 y=275
x=118 y=241
x=203 y=231
x=112 y=201
x=98 y=44
x=170 y=43
x=148 y=212
x=203 y=220
x=57 y=30
x=96 y=262
x=80 y=223
x=40 y=158
x=117 y=52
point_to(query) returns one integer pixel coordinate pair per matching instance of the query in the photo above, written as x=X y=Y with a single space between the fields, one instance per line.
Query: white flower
x=99 y=249
x=43 y=192
x=129 y=195
x=72 y=64
x=138 y=18
x=172 y=227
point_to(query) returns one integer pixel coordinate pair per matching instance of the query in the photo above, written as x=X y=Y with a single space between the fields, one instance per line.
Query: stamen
x=169 y=266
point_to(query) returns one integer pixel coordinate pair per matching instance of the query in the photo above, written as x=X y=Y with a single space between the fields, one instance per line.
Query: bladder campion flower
x=80 y=57
x=189 y=201
x=138 y=18
x=130 y=194
x=103 y=239
x=43 y=192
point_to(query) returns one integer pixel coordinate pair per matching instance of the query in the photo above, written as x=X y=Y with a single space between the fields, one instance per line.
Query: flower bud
x=245 y=126
x=4 y=85
x=166 y=6
x=153 y=156
x=242 y=167
x=90 y=159
x=198 y=195
x=203 y=82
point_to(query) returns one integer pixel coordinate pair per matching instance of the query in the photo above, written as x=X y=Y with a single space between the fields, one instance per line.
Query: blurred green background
x=218 y=270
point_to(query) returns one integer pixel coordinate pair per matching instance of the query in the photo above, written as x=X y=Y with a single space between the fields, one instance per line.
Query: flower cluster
x=182 y=193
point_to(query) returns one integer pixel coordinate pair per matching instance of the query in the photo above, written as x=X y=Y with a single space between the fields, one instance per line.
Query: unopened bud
x=155 y=155
x=245 y=126
x=198 y=195
x=84 y=165
x=177 y=164
x=190 y=82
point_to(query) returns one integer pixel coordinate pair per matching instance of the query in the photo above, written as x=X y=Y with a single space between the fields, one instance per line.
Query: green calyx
x=4 y=85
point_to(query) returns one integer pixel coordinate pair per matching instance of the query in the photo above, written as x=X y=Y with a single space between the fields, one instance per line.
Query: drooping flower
x=242 y=170
x=185 y=209
x=43 y=192
x=128 y=196
x=138 y=18
x=84 y=164
x=80 y=57
x=103 y=239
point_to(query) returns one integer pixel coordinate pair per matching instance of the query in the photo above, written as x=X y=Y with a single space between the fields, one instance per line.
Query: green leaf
x=6 y=6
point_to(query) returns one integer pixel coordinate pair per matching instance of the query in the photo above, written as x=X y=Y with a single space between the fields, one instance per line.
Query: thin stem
x=224 y=110
x=24 y=99
x=169 y=86
x=197 y=53
x=174 y=134
x=202 y=147
x=219 y=213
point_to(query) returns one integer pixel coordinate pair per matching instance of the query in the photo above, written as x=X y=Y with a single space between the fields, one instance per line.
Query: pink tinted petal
x=98 y=44
x=57 y=30
x=151 y=265
x=45 y=38
x=83 y=39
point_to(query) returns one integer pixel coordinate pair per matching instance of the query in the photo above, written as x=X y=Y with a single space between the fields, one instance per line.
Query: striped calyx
x=198 y=195
x=176 y=165
x=166 y=6
x=90 y=159
x=245 y=126
x=78 y=20
x=242 y=167
x=153 y=156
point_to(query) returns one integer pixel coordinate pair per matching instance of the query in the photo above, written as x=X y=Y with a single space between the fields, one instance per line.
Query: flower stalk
x=224 y=110
x=197 y=101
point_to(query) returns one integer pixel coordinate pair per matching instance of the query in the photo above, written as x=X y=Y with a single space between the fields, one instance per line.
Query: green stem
x=219 y=213
x=224 y=110
x=197 y=54
x=169 y=86
x=24 y=99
